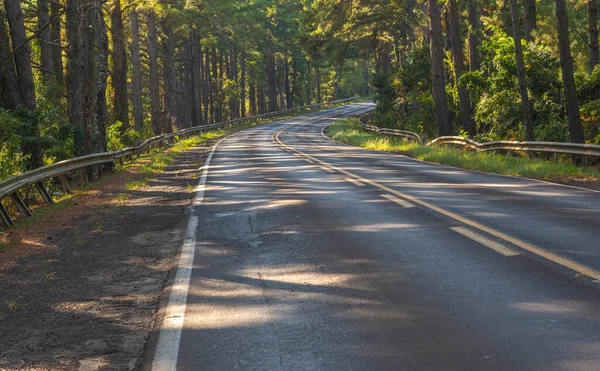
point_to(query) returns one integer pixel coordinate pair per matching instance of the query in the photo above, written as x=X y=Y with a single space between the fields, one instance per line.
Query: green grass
x=349 y=131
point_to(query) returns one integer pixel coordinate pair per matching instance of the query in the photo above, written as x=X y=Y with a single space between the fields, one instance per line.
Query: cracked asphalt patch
x=79 y=288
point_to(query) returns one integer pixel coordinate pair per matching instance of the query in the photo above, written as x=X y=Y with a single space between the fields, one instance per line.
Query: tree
x=525 y=104
x=119 y=72
x=437 y=69
x=566 y=61
x=459 y=67
x=592 y=11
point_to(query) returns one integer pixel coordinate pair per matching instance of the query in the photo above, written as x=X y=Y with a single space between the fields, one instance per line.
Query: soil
x=79 y=288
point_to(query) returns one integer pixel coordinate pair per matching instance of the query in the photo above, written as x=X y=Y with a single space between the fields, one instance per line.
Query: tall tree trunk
x=101 y=76
x=44 y=37
x=474 y=42
x=76 y=71
x=22 y=56
x=243 y=84
x=119 y=76
x=55 y=37
x=438 y=84
x=318 y=84
x=189 y=83
x=252 y=99
x=136 y=73
x=366 y=77
x=289 y=98
x=464 y=100
x=566 y=61
x=262 y=100
x=525 y=104
x=592 y=10
x=154 y=79
x=9 y=87
x=206 y=85
x=169 y=77
x=272 y=79
x=530 y=18
x=197 y=79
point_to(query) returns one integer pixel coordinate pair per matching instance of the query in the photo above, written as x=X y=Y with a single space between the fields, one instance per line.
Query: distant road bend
x=313 y=255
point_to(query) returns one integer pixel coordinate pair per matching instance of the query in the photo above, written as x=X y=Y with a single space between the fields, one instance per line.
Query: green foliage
x=349 y=131
x=116 y=140
x=12 y=161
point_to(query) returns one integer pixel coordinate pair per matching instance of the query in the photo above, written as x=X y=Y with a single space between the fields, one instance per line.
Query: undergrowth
x=349 y=131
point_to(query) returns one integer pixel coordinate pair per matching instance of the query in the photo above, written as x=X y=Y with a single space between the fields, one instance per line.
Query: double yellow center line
x=405 y=200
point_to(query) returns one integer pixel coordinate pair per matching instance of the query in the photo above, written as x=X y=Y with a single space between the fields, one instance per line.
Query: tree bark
x=55 y=37
x=136 y=73
x=119 y=76
x=530 y=18
x=438 y=83
x=154 y=79
x=101 y=114
x=169 y=77
x=197 y=79
x=243 y=84
x=272 y=79
x=76 y=71
x=9 y=87
x=318 y=84
x=457 y=55
x=22 y=57
x=44 y=37
x=252 y=98
x=566 y=61
x=592 y=10
x=474 y=42
x=525 y=104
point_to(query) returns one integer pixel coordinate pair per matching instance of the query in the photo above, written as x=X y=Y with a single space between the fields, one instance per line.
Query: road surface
x=315 y=255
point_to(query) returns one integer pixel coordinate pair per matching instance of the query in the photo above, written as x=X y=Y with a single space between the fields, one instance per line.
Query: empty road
x=314 y=255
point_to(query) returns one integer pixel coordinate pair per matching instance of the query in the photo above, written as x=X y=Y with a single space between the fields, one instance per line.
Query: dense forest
x=489 y=69
x=85 y=76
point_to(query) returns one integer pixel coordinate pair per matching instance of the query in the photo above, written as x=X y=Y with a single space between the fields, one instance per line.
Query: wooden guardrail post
x=6 y=220
x=23 y=209
x=65 y=183
x=44 y=192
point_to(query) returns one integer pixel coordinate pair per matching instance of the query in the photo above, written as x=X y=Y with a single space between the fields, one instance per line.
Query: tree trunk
x=76 y=71
x=566 y=61
x=9 y=87
x=318 y=84
x=474 y=42
x=44 y=37
x=529 y=20
x=154 y=79
x=206 y=85
x=525 y=104
x=22 y=56
x=169 y=77
x=136 y=73
x=366 y=77
x=592 y=10
x=197 y=79
x=272 y=79
x=101 y=76
x=464 y=100
x=252 y=98
x=55 y=37
x=189 y=83
x=438 y=84
x=289 y=98
x=243 y=84
x=119 y=76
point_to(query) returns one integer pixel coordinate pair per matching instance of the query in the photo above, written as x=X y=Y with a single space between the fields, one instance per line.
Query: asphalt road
x=314 y=255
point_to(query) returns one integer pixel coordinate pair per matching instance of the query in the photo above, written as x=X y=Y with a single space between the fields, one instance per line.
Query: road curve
x=314 y=255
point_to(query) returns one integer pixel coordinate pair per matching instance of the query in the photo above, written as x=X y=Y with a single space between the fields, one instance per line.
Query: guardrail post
x=65 y=183
x=84 y=176
x=584 y=161
x=44 y=193
x=6 y=220
x=20 y=205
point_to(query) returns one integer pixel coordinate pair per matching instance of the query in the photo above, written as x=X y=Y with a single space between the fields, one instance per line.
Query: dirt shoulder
x=80 y=287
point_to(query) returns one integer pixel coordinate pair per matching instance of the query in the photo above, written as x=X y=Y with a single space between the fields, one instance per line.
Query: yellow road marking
x=309 y=160
x=326 y=168
x=355 y=182
x=580 y=268
x=397 y=200
x=500 y=249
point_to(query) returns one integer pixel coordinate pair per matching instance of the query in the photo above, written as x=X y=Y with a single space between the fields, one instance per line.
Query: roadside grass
x=349 y=131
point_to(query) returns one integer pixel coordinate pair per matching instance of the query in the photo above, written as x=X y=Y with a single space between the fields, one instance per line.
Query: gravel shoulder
x=79 y=289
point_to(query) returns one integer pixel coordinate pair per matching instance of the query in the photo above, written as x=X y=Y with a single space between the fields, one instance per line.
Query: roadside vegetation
x=349 y=131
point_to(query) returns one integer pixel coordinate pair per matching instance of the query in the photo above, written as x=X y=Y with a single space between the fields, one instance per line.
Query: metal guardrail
x=11 y=186
x=501 y=145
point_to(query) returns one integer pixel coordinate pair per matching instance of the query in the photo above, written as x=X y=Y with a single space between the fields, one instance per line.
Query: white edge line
x=167 y=348
x=397 y=200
